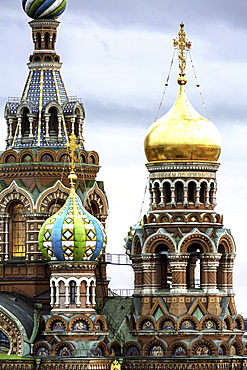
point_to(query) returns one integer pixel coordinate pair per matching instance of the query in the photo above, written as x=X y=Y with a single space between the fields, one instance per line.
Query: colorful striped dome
x=72 y=233
x=44 y=8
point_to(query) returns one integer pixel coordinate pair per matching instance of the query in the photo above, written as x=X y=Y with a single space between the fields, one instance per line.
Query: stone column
x=59 y=118
x=173 y=201
x=185 y=202
x=229 y=271
x=197 y=203
x=47 y=118
x=207 y=203
x=31 y=118
x=19 y=127
x=178 y=264
x=209 y=265
x=72 y=125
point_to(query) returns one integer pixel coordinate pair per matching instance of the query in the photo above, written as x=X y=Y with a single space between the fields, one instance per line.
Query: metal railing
x=118 y=259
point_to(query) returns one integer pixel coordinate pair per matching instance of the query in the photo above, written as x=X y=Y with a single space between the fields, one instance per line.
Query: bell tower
x=182 y=255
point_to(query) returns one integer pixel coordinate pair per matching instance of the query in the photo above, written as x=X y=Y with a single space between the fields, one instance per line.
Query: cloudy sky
x=116 y=57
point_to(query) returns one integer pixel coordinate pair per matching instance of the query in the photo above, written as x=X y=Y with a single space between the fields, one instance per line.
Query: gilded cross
x=72 y=147
x=182 y=45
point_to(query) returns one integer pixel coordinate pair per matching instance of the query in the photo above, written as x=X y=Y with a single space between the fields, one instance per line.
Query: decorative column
x=173 y=201
x=185 y=203
x=72 y=125
x=31 y=118
x=229 y=272
x=207 y=203
x=6 y=238
x=59 y=118
x=19 y=126
x=197 y=203
x=209 y=265
x=178 y=264
x=47 y=118
x=214 y=195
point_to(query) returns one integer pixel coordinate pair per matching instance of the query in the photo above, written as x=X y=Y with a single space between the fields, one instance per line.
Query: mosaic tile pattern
x=72 y=234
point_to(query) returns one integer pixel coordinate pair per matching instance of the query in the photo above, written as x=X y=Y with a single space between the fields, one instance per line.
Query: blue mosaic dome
x=44 y=8
x=72 y=233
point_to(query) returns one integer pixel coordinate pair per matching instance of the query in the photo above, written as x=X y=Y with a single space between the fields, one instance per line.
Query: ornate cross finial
x=182 y=44
x=72 y=147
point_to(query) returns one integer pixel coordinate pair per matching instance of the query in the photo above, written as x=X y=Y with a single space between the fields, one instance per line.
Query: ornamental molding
x=15 y=193
x=200 y=237
x=153 y=240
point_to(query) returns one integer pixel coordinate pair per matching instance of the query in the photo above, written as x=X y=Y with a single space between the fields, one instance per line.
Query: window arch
x=72 y=291
x=38 y=40
x=203 y=190
x=53 y=121
x=55 y=206
x=17 y=231
x=25 y=122
x=164 y=274
x=192 y=192
x=157 y=193
x=167 y=192
x=47 y=37
x=179 y=191
x=193 y=269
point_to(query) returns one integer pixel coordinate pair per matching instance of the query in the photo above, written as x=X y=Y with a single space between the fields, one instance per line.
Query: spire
x=183 y=45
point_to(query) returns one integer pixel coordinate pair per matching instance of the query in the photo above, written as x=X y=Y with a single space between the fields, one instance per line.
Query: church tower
x=182 y=255
x=35 y=165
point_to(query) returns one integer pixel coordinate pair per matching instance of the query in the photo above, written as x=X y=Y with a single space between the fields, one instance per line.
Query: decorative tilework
x=72 y=234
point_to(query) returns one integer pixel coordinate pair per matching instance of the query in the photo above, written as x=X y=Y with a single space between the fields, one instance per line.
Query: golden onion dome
x=182 y=134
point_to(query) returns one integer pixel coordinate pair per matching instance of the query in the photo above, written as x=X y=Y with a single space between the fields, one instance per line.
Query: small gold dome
x=182 y=134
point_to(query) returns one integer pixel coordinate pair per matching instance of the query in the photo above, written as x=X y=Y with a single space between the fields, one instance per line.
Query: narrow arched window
x=17 y=231
x=164 y=275
x=38 y=40
x=193 y=270
x=25 y=122
x=192 y=192
x=47 y=36
x=179 y=191
x=157 y=193
x=72 y=287
x=53 y=121
x=167 y=192
x=203 y=189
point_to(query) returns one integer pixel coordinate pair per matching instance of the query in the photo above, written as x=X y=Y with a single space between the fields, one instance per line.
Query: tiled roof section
x=68 y=108
x=44 y=86
x=12 y=107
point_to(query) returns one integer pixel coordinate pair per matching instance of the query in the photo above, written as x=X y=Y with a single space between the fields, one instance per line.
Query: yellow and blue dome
x=44 y=8
x=72 y=233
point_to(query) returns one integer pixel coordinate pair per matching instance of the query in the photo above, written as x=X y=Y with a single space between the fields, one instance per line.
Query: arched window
x=47 y=37
x=17 y=231
x=72 y=293
x=55 y=206
x=203 y=189
x=94 y=209
x=38 y=40
x=25 y=122
x=179 y=191
x=193 y=270
x=192 y=192
x=53 y=121
x=164 y=275
x=167 y=192
x=221 y=277
x=157 y=193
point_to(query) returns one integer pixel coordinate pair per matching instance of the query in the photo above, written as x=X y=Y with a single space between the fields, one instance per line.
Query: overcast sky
x=116 y=57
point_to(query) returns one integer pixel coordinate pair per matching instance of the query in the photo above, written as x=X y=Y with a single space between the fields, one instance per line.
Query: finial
x=182 y=44
x=72 y=147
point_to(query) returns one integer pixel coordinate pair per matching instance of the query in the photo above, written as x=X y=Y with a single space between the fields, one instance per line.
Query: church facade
x=55 y=307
